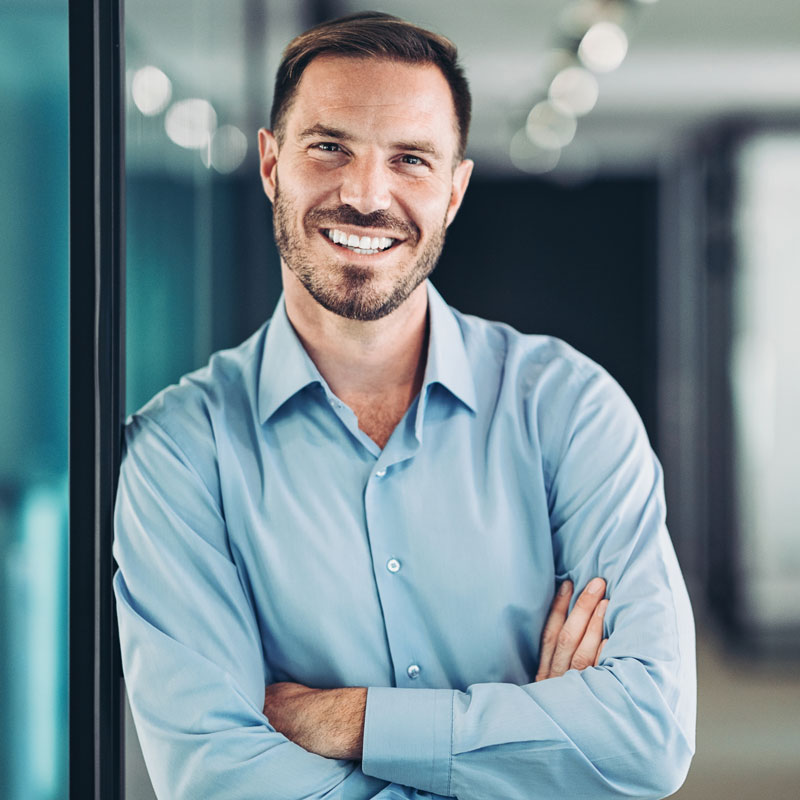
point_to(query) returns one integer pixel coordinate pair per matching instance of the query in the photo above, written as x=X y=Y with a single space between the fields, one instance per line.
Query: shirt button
x=393 y=565
x=380 y=473
x=413 y=671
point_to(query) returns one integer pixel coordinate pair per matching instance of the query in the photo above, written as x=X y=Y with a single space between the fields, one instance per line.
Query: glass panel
x=766 y=380
x=192 y=177
x=202 y=272
x=34 y=275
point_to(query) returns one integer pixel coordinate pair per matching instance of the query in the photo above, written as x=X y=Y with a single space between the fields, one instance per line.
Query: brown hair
x=371 y=34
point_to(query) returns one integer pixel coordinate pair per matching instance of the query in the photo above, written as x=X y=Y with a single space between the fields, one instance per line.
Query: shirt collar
x=286 y=367
x=447 y=356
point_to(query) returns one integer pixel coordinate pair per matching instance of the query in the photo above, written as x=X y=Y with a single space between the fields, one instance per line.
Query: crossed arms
x=330 y=722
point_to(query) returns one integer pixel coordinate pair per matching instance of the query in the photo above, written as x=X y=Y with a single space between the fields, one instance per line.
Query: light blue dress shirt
x=262 y=537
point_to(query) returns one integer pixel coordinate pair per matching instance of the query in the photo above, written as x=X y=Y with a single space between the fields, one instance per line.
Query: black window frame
x=96 y=389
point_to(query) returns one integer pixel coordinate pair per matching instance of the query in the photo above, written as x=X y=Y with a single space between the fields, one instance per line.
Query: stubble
x=351 y=290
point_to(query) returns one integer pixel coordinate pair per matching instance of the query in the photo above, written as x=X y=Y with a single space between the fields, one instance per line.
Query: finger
x=575 y=627
x=586 y=654
x=599 y=652
x=555 y=621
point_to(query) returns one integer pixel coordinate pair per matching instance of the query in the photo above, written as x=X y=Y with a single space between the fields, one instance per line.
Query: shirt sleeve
x=191 y=648
x=622 y=729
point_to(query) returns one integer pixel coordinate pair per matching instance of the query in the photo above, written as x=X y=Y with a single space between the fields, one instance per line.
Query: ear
x=461 y=176
x=268 y=153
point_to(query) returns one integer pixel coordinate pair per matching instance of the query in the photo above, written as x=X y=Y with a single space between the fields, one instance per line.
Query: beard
x=351 y=290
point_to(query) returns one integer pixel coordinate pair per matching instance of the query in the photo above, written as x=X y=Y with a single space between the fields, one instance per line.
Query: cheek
x=310 y=187
x=429 y=213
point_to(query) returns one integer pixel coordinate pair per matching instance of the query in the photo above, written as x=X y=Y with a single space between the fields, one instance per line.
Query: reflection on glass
x=151 y=90
x=33 y=400
x=190 y=123
x=228 y=149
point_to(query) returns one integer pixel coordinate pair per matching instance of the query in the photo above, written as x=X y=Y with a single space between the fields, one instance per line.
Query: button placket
x=380 y=519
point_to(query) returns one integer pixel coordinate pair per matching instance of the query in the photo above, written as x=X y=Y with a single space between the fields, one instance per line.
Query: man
x=366 y=508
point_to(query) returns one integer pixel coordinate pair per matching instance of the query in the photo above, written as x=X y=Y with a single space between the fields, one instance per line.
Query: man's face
x=363 y=184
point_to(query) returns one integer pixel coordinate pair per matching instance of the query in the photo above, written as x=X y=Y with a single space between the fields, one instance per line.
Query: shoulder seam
x=149 y=419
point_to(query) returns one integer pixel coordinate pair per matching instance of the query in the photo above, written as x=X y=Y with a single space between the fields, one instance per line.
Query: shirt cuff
x=408 y=737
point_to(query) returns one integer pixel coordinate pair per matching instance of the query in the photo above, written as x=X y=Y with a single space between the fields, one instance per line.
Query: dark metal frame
x=97 y=247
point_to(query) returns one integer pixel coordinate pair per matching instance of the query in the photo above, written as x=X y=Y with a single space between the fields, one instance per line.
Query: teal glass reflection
x=34 y=271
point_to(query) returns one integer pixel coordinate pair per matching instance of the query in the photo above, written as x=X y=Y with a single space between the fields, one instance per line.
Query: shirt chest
x=435 y=556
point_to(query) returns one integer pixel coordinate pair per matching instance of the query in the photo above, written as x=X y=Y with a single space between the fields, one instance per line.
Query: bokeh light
x=151 y=90
x=603 y=47
x=190 y=123
x=550 y=127
x=531 y=157
x=574 y=90
x=228 y=149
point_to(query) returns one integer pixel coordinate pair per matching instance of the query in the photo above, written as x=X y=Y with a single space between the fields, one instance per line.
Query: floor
x=748 y=728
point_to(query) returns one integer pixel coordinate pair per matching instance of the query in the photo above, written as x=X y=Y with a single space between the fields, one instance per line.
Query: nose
x=365 y=185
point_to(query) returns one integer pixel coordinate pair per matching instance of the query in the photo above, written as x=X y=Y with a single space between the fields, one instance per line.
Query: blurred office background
x=636 y=192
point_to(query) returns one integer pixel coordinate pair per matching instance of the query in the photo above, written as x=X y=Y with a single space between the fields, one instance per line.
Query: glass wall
x=202 y=272
x=33 y=399
x=199 y=235
x=766 y=385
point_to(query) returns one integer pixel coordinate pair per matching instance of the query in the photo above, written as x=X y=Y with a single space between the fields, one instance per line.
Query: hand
x=328 y=722
x=574 y=641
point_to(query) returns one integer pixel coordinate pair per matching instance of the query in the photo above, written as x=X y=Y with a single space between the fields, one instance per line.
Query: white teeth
x=362 y=244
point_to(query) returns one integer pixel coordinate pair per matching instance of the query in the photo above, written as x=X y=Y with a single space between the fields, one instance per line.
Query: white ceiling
x=690 y=62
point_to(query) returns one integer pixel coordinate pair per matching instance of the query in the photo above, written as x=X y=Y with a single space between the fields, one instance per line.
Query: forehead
x=374 y=93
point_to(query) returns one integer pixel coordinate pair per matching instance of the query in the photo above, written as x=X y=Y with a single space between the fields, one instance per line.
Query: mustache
x=347 y=215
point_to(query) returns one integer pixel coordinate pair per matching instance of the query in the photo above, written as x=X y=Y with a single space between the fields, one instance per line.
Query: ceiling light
x=530 y=157
x=574 y=90
x=549 y=126
x=603 y=47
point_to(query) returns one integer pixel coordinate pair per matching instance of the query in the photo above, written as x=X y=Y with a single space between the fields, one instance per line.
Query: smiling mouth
x=363 y=245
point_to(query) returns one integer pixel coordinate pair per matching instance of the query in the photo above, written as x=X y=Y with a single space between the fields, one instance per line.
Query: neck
x=363 y=362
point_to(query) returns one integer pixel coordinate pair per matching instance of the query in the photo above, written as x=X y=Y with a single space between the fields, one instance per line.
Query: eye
x=412 y=165
x=329 y=154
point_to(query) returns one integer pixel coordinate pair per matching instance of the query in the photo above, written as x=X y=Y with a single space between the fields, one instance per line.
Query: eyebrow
x=424 y=147
x=324 y=130
x=415 y=146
